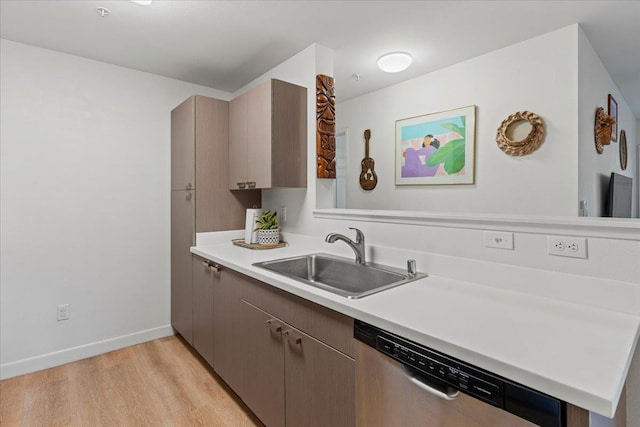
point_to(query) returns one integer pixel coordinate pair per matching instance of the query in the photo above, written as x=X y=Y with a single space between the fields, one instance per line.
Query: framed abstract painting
x=437 y=148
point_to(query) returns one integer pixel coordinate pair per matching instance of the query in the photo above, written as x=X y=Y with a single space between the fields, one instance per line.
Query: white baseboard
x=57 y=358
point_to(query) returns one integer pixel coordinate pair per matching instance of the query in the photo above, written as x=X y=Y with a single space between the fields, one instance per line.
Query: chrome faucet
x=357 y=246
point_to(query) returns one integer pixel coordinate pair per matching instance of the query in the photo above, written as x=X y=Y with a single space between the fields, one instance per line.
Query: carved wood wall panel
x=325 y=126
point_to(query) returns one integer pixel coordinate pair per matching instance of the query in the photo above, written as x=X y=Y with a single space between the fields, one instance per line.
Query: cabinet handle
x=251 y=184
x=274 y=326
x=188 y=196
x=292 y=338
x=241 y=185
x=212 y=266
x=188 y=186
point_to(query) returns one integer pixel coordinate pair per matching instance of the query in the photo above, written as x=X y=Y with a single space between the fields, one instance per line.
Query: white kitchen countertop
x=577 y=353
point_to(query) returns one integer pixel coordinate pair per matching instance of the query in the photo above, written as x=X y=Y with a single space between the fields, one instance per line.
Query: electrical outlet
x=282 y=215
x=63 y=312
x=498 y=239
x=574 y=247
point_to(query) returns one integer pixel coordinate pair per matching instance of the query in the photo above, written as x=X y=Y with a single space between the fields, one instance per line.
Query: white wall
x=595 y=84
x=85 y=179
x=612 y=259
x=608 y=259
x=537 y=75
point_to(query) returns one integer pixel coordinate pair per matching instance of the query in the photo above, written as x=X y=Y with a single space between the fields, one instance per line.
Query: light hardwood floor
x=159 y=383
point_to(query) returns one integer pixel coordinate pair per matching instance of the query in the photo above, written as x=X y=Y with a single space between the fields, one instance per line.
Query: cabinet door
x=238 y=141
x=183 y=146
x=218 y=208
x=204 y=277
x=212 y=157
x=182 y=236
x=262 y=365
x=227 y=322
x=320 y=383
x=288 y=135
x=259 y=135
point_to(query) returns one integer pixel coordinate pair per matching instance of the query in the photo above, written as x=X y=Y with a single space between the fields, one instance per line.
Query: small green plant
x=267 y=221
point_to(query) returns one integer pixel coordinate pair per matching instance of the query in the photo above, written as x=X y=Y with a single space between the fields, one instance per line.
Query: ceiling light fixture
x=143 y=2
x=394 y=62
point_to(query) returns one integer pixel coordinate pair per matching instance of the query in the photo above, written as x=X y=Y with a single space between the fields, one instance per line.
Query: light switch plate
x=498 y=239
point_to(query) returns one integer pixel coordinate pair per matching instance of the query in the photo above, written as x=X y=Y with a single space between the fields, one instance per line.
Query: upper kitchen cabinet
x=183 y=145
x=267 y=137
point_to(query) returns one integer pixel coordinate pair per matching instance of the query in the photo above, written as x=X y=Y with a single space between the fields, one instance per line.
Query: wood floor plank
x=12 y=400
x=46 y=376
x=159 y=383
x=47 y=405
x=114 y=358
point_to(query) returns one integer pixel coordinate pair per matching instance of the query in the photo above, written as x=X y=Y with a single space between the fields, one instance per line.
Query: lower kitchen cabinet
x=291 y=378
x=227 y=316
x=319 y=383
x=284 y=373
x=206 y=274
x=262 y=361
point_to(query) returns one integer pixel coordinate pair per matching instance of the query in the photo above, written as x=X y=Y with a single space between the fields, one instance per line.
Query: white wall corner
x=594 y=169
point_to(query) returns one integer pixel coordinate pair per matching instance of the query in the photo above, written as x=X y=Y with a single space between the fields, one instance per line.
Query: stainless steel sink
x=339 y=275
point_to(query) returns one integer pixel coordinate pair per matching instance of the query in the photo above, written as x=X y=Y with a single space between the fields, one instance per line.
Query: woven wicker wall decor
x=325 y=127
x=527 y=145
x=602 y=128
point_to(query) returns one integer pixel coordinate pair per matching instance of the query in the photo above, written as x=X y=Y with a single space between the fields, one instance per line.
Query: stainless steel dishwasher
x=400 y=383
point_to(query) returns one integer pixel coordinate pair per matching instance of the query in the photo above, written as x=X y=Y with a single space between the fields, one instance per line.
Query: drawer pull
x=275 y=326
x=212 y=266
x=292 y=338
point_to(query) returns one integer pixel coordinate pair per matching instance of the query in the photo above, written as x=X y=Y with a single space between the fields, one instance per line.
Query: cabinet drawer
x=329 y=326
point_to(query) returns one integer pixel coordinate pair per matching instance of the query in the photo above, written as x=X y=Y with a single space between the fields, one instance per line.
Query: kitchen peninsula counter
x=577 y=353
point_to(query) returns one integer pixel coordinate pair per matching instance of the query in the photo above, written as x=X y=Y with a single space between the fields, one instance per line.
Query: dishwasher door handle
x=449 y=393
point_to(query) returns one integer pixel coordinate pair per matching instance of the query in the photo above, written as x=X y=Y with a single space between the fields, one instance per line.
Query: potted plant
x=267 y=228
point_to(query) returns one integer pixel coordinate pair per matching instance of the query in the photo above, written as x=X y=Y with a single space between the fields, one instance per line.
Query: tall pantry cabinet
x=200 y=196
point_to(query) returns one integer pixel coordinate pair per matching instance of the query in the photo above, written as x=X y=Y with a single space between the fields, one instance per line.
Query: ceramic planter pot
x=269 y=237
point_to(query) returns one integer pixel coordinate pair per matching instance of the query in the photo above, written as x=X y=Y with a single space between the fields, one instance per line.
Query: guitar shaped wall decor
x=368 y=177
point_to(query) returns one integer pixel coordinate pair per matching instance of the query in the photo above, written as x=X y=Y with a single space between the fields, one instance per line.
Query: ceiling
x=227 y=44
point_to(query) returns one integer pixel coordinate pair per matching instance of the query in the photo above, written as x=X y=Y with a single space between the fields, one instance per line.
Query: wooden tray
x=241 y=243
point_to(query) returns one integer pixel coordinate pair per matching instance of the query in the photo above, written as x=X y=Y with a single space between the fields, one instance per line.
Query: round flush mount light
x=143 y=2
x=394 y=62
